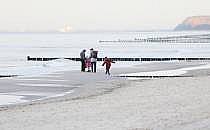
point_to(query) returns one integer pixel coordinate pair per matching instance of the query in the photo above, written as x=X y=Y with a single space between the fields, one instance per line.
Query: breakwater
x=205 y=38
x=122 y=59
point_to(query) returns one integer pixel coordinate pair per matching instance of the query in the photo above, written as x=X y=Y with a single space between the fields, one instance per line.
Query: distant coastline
x=194 y=23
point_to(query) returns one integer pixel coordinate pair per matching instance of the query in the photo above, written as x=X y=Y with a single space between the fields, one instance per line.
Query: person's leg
x=95 y=67
x=83 y=65
x=89 y=69
x=108 y=72
x=92 y=66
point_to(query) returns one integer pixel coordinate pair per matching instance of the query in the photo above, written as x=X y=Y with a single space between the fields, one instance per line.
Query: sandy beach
x=179 y=103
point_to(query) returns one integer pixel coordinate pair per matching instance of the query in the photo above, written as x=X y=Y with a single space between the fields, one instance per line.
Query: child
x=108 y=62
x=88 y=64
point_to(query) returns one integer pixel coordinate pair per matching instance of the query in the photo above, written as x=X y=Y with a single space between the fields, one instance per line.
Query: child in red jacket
x=88 y=64
x=107 y=62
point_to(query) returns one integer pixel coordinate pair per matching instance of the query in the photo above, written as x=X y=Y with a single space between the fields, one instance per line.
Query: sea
x=15 y=47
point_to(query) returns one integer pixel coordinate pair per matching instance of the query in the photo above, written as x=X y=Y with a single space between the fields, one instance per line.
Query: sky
x=93 y=15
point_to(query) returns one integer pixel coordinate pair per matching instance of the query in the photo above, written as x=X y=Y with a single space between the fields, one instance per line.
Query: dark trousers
x=93 y=67
x=107 y=71
x=82 y=65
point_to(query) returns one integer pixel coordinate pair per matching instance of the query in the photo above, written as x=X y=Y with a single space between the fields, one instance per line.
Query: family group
x=89 y=61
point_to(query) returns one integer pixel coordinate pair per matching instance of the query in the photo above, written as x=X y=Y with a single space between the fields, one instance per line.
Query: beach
x=142 y=104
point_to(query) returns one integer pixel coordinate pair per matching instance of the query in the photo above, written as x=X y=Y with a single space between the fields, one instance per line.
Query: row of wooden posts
x=151 y=40
x=204 y=38
x=122 y=59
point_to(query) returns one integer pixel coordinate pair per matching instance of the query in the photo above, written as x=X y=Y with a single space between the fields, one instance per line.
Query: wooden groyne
x=204 y=38
x=124 y=59
x=7 y=76
x=151 y=76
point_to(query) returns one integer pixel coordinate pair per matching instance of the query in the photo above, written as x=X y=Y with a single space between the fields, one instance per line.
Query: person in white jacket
x=93 y=56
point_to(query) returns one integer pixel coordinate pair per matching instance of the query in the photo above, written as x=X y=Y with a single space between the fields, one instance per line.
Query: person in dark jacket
x=82 y=59
x=107 y=62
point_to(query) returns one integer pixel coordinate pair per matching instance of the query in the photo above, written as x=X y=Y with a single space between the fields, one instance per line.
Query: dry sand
x=159 y=104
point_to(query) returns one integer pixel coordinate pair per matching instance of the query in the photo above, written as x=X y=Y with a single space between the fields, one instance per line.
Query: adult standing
x=82 y=59
x=93 y=56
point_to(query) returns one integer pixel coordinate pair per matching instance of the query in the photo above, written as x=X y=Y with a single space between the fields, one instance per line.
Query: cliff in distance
x=194 y=23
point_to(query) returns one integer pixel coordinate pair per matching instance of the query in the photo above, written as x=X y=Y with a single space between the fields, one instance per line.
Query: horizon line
x=151 y=30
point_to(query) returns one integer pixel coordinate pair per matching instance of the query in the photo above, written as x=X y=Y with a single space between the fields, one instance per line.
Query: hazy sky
x=45 y=15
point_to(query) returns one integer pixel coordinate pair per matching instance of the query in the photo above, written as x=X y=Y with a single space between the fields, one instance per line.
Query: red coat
x=108 y=62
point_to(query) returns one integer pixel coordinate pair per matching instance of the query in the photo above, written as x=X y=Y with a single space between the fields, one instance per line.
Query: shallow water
x=15 y=47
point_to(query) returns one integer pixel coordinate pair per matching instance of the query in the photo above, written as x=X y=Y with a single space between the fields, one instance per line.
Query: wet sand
x=75 y=83
x=113 y=103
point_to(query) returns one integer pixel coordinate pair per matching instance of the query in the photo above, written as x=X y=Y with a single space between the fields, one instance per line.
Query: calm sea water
x=15 y=47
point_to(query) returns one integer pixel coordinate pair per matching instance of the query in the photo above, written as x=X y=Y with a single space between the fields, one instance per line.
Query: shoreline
x=159 y=104
x=87 y=91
